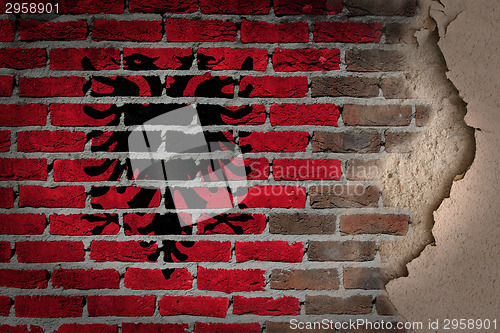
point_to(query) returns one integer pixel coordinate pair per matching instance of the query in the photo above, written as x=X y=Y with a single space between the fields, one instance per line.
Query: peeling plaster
x=458 y=276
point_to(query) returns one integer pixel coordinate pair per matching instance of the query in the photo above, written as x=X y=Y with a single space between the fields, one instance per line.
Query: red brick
x=6 y=85
x=40 y=251
x=263 y=32
x=73 y=59
x=377 y=115
x=4 y=143
x=20 y=328
x=232 y=224
x=274 y=197
x=304 y=114
x=194 y=306
x=56 y=197
x=54 y=31
x=232 y=59
x=227 y=328
x=354 y=305
x=142 y=58
x=303 y=169
x=52 y=86
x=13 y=115
x=74 y=115
x=157 y=224
x=341 y=251
x=266 y=306
x=211 y=114
x=86 y=279
x=374 y=224
x=22 y=224
x=152 y=279
x=18 y=58
x=157 y=328
x=74 y=170
x=347 y=32
x=281 y=142
x=121 y=306
x=201 y=251
x=122 y=197
x=5 y=251
x=91 y=6
x=6 y=197
x=84 y=224
x=182 y=30
x=257 y=168
x=269 y=251
x=23 y=169
x=363 y=278
x=244 y=7
x=5 y=306
x=161 y=6
x=87 y=328
x=196 y=86
x=7 y=30
x=127 y=31
x=131 y=251
x=300 y=7
x=230 y=280
x=48 y=306
x=24 y=279
x=293 y=60
x=57 y=141
x=316 y=279
x=273 y=87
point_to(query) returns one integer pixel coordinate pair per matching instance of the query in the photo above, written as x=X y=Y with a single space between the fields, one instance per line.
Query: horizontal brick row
x=283 y=60
x=260 y=7
x=187 y=30
x=224 y=280
x=211 y=87
x=49 y=306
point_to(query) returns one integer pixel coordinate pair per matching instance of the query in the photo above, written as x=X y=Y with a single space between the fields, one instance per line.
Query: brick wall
x=315 y=95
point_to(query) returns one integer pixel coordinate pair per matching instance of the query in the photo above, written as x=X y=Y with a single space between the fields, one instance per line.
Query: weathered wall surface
x=458 y=276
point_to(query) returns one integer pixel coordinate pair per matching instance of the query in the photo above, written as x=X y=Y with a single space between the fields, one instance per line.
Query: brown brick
x=376 y=115
x=301 y=224
x=400 y=142
x=341 y=251
x=346 y=142
x=317 y=279
x=284 y=327
x=345 y=86
x=374 y=60
x=396 y=87
x=398 y=33
x=363 y=278
x=323 y=304
x=357 y=169
x=374 y=224
x=385 y=307
x=344 y=196
x=422 y=115
x=381 y=7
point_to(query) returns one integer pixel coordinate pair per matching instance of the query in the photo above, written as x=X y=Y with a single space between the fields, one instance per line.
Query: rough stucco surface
x=457 y=277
